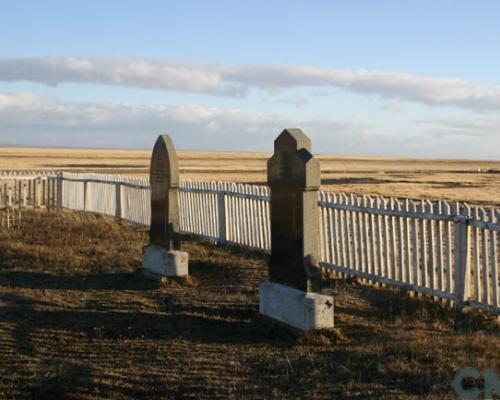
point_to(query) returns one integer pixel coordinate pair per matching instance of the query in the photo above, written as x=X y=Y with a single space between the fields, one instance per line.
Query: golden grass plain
x=477 y=182
x=77 y=321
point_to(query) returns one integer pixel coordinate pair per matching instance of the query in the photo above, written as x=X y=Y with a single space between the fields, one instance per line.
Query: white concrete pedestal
x=302 y=310
x=158 y=261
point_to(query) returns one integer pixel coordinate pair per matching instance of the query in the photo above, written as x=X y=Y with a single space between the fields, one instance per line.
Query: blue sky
x=385 y=78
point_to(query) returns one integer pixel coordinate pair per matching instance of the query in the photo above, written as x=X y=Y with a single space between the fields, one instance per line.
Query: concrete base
x=158 y=261
x=304 y=311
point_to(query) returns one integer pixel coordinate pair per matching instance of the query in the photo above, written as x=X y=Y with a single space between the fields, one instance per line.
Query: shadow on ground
x=72 y=332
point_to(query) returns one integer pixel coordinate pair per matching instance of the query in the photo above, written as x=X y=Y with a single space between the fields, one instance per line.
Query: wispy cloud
x=31 y=119
x=393 y=106
x=122 y=71
x=297 y=101
x=228 y=80
x=485 y=127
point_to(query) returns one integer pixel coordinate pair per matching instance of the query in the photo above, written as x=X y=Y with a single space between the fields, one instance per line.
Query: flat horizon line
x=365 y=157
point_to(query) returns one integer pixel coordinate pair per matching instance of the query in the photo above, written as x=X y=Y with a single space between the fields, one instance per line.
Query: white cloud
x=228 y=80
x=297 y=101
x=487 y=127
x=393 y=106
x=29 y=119
x=122 y=72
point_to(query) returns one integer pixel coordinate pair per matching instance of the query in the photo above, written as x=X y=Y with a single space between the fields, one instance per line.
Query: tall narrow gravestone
x=292 y=295
x=163 y=256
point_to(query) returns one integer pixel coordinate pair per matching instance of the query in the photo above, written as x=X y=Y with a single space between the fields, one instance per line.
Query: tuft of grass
x=322 y=337
x=474 y=320
x=55 y=380
x=179 y=282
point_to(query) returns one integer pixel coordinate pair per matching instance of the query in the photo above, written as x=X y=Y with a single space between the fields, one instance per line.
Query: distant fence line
x=5 y=174
x=438 y=248
x=28 y=189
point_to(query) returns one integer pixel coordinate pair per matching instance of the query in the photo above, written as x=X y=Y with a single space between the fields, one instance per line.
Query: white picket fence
x=28 y=189
x=218 y=211
x=443 y=250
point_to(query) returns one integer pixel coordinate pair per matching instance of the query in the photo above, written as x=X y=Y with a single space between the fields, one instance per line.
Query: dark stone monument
x=294 y=177
x=163 y=256
x=294 y=271
x=164 y=182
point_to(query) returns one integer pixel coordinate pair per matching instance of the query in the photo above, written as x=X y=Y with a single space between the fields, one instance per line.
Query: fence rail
x=441 y=249
x=436 y=248
x=223 y=212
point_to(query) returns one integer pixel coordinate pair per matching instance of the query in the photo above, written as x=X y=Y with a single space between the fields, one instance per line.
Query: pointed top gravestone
x=294 y=178
x=291 y=295
x=164 y=181
x=163 y=256
x=292 y=139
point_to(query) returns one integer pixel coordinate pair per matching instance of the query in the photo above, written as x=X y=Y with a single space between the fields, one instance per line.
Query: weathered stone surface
x=158 y=261
x=164 y=179
x=294 y=178
x=163 y=256
x=302 y=310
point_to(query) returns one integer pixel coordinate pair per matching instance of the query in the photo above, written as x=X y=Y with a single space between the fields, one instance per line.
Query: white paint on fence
x=27 y=189
x=435 y=248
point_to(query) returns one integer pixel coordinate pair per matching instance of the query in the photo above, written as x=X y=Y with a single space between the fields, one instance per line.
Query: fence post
x=85 y=195
x=462 y=257
x=19 y=190
x=49 y=192
x=53 y=188
x=37 y=196
x=59 y=190
x=29 y=196
x=9 y=197
x=24 y=194
x=43 y=188
x=118 y=200
x=221 y=207
x=32 y=189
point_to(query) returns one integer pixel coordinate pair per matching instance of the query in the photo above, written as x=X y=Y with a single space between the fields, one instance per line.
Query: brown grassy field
x=477 y=182
x=77 y=321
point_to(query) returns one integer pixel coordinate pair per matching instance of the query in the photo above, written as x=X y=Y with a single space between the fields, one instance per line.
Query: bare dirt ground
x=77 y=321
x=477 y=182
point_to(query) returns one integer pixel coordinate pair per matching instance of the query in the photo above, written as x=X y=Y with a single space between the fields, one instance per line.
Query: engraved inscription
x=164 y=180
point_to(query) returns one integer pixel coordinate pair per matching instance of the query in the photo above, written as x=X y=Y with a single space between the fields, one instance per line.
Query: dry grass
x=455 y=180
x=77 y=321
